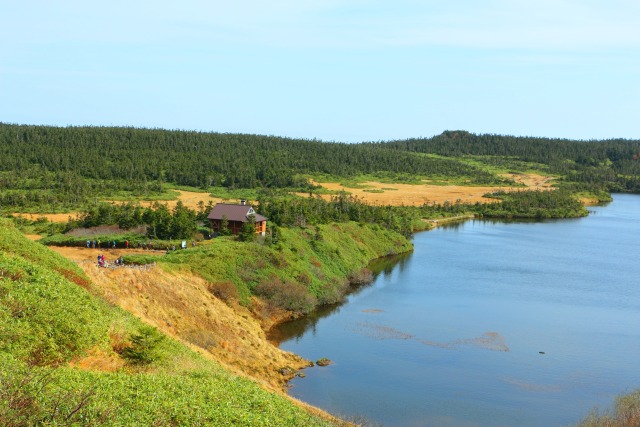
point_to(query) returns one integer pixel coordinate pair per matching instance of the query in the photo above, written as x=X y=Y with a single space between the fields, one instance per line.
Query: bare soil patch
x=531 y=180
x=97 y=360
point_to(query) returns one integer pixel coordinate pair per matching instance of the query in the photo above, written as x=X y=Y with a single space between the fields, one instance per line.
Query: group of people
x=92 y=244
x=103 y=263
x=98 y=244
x=120 y=261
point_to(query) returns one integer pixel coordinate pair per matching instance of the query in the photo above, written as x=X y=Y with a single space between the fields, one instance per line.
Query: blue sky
x=336 y=70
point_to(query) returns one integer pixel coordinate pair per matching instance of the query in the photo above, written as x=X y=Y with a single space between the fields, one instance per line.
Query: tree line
x=160 y=221
x=533 y=204
x=612 y=164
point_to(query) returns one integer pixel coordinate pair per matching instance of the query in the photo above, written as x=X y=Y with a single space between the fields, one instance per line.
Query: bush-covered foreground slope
x=51 y=329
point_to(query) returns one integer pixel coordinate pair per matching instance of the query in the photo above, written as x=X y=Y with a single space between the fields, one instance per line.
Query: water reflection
x=295 y=329
x=386 y=265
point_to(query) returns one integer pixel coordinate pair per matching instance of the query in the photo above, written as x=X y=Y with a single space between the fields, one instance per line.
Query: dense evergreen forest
x=202 y=159
x=613 y=164
x=56 y=168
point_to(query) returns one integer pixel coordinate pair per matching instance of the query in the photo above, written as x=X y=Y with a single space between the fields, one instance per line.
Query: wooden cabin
x=236 y=216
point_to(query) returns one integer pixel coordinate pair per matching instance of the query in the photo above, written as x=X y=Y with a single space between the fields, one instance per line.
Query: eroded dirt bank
x=181 y=305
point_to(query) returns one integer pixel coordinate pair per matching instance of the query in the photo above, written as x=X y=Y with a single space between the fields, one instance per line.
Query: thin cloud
x=532 y=25
x=495 y=24
x=365 y=24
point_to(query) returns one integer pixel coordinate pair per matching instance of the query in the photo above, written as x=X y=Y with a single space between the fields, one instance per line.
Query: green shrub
x=37 y=325
x=333 y=291
x=361 y=277
x=143 y=349
x=288 y=296
x=225 y=291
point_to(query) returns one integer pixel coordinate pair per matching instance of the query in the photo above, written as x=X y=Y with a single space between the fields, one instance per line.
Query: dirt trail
x=419 y=194
x=33 y=236
x=81 y=254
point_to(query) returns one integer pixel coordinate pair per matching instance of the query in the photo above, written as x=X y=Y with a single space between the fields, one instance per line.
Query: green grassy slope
x=304 y=268
x=47 y=321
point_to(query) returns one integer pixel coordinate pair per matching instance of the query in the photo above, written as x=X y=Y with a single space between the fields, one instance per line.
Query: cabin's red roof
x=234 y=212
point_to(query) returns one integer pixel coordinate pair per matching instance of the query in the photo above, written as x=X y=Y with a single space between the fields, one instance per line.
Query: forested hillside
x=613 y=163
x=55 y=168
x=201 y=159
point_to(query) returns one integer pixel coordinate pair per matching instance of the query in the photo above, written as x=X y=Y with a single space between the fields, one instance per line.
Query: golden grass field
x=419 y=194
x=189 y=199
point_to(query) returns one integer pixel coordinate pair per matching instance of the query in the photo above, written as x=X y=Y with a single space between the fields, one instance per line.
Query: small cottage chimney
x=243 y=202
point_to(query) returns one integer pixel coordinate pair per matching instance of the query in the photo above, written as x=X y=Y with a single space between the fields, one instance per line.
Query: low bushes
x=225 y=291
x=143 y=346
x=360 y=277
x=286 y=295
x=21 y=392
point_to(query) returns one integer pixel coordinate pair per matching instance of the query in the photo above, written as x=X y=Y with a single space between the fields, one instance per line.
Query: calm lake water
x=452 y=334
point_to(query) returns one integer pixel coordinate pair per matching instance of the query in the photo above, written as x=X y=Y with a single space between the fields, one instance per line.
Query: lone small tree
x=248 y=232
x=224 y=226
x=143 y=349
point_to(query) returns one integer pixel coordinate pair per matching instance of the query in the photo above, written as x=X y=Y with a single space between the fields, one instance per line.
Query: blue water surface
x=487 y=324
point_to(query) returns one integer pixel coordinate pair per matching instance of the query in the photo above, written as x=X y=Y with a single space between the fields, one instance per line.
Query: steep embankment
x=182 y=305
x=70 y=358
x=222 y=297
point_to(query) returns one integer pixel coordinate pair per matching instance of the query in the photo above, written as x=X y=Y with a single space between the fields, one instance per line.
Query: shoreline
x=443 y=221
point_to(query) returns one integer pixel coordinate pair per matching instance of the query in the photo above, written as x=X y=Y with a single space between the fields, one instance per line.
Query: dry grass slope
x=182 y=305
